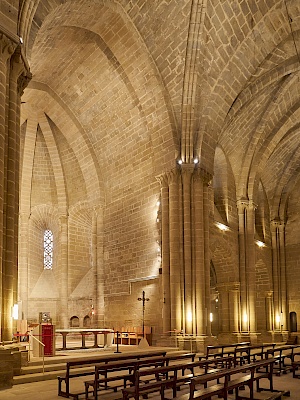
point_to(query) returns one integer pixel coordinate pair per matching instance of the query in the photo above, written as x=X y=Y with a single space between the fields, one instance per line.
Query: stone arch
x=74 y=322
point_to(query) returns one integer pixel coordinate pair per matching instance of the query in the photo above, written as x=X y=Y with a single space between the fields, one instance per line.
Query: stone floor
x=47 y=390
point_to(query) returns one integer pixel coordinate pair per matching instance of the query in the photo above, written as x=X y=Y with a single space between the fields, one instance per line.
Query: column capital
x=243 y=203
x=173 y=176
x=163 y=179
x=203 y=175
x=23 y=82
x=277 y=223
x=17 y=65
x=7 y=47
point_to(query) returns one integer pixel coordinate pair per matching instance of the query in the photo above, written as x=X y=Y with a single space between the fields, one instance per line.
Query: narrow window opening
x=48 y=249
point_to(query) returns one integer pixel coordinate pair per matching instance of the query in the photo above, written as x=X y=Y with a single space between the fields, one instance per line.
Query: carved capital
x=23 y=82
x=163 y=180
x=203 y=175
x=7 y=47
x=173 y=176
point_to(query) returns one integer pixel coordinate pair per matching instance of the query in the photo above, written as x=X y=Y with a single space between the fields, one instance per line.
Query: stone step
x=36 y=377
x=34 y=369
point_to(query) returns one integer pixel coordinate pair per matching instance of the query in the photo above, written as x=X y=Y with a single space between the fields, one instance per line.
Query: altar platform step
x=56 y=366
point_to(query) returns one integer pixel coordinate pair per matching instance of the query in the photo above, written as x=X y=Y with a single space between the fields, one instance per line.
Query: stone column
x=187 y=171
x=234 y=302
x=269 y=311
x=283 y=284
x=279 y=275
x=247 y=264
x=251 y=273
x=242 y=214
x=198 y=252
x=23 y=262
x=63 y=266
x=206 y=213
x=175 y=267
x=7 y=48
x=165 y=252
x=11 y=199
x=98 y=243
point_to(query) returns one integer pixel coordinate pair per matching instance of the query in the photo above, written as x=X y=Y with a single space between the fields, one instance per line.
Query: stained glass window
x=48 y=249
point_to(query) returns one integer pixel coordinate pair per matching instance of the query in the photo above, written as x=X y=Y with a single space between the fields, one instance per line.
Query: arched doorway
x=293 y=321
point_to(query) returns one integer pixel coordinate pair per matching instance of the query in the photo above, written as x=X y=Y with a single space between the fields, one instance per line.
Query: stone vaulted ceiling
x=116 y=83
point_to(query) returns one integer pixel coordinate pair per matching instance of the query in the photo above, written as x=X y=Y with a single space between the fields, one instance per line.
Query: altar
x=108 y=335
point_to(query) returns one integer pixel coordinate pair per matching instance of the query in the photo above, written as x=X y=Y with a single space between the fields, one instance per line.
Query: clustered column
x=64 y=289
x=185 y=209
x=14 y=76
x=98 y=264
x=279 y=274
x=247 y=264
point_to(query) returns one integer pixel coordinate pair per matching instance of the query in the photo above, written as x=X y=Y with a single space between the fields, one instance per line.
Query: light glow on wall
x=15 y=311
x=222 y=227
x=189 y=317
x=260 y=244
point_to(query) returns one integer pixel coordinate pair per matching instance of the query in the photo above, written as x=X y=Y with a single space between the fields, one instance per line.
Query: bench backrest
x=104 y=360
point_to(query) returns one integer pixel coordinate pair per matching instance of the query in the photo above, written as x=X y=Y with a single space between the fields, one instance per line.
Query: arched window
x=48 y=249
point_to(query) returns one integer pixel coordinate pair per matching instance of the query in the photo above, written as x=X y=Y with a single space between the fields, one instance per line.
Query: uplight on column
x=15 y=311
x=211 y=317
x=189 y=317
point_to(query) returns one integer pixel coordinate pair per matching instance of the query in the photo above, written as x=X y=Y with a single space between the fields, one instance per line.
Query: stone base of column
x=239 y=337
x=196 y=344
x=275 y=336
x=6 y=369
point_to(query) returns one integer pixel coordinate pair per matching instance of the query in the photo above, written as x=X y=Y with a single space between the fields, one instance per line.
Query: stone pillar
x=234 y=302
x=175 y=267
x=15 y=82
x=7 y=48
x=165 y=253
x=279 y=275
x=251 y=273
x=198 y=252
x=269 y=311
x=23 y=262
x=63 y=267
x=98 y=268
x=206 y=214
x=187 y=247
x=283 y=285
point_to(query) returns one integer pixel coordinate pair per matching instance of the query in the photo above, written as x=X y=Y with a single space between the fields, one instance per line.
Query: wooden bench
x=223 y=350
x=102 y=371
x=85 y=367
x=104 y=374
x=159 y=379
x=229 y=384
x=281 y=354
x=247 y=354
x=169 y=377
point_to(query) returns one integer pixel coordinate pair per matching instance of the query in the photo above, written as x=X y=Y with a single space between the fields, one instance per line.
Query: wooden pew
x=230 y=382
x=247 y=354
x=223 y=350
x=159 y=379
x=280 y=354
x=103 y=372
x=85 y=367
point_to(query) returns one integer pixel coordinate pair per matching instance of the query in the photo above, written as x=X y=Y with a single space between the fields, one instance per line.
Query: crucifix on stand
x=143 y=299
